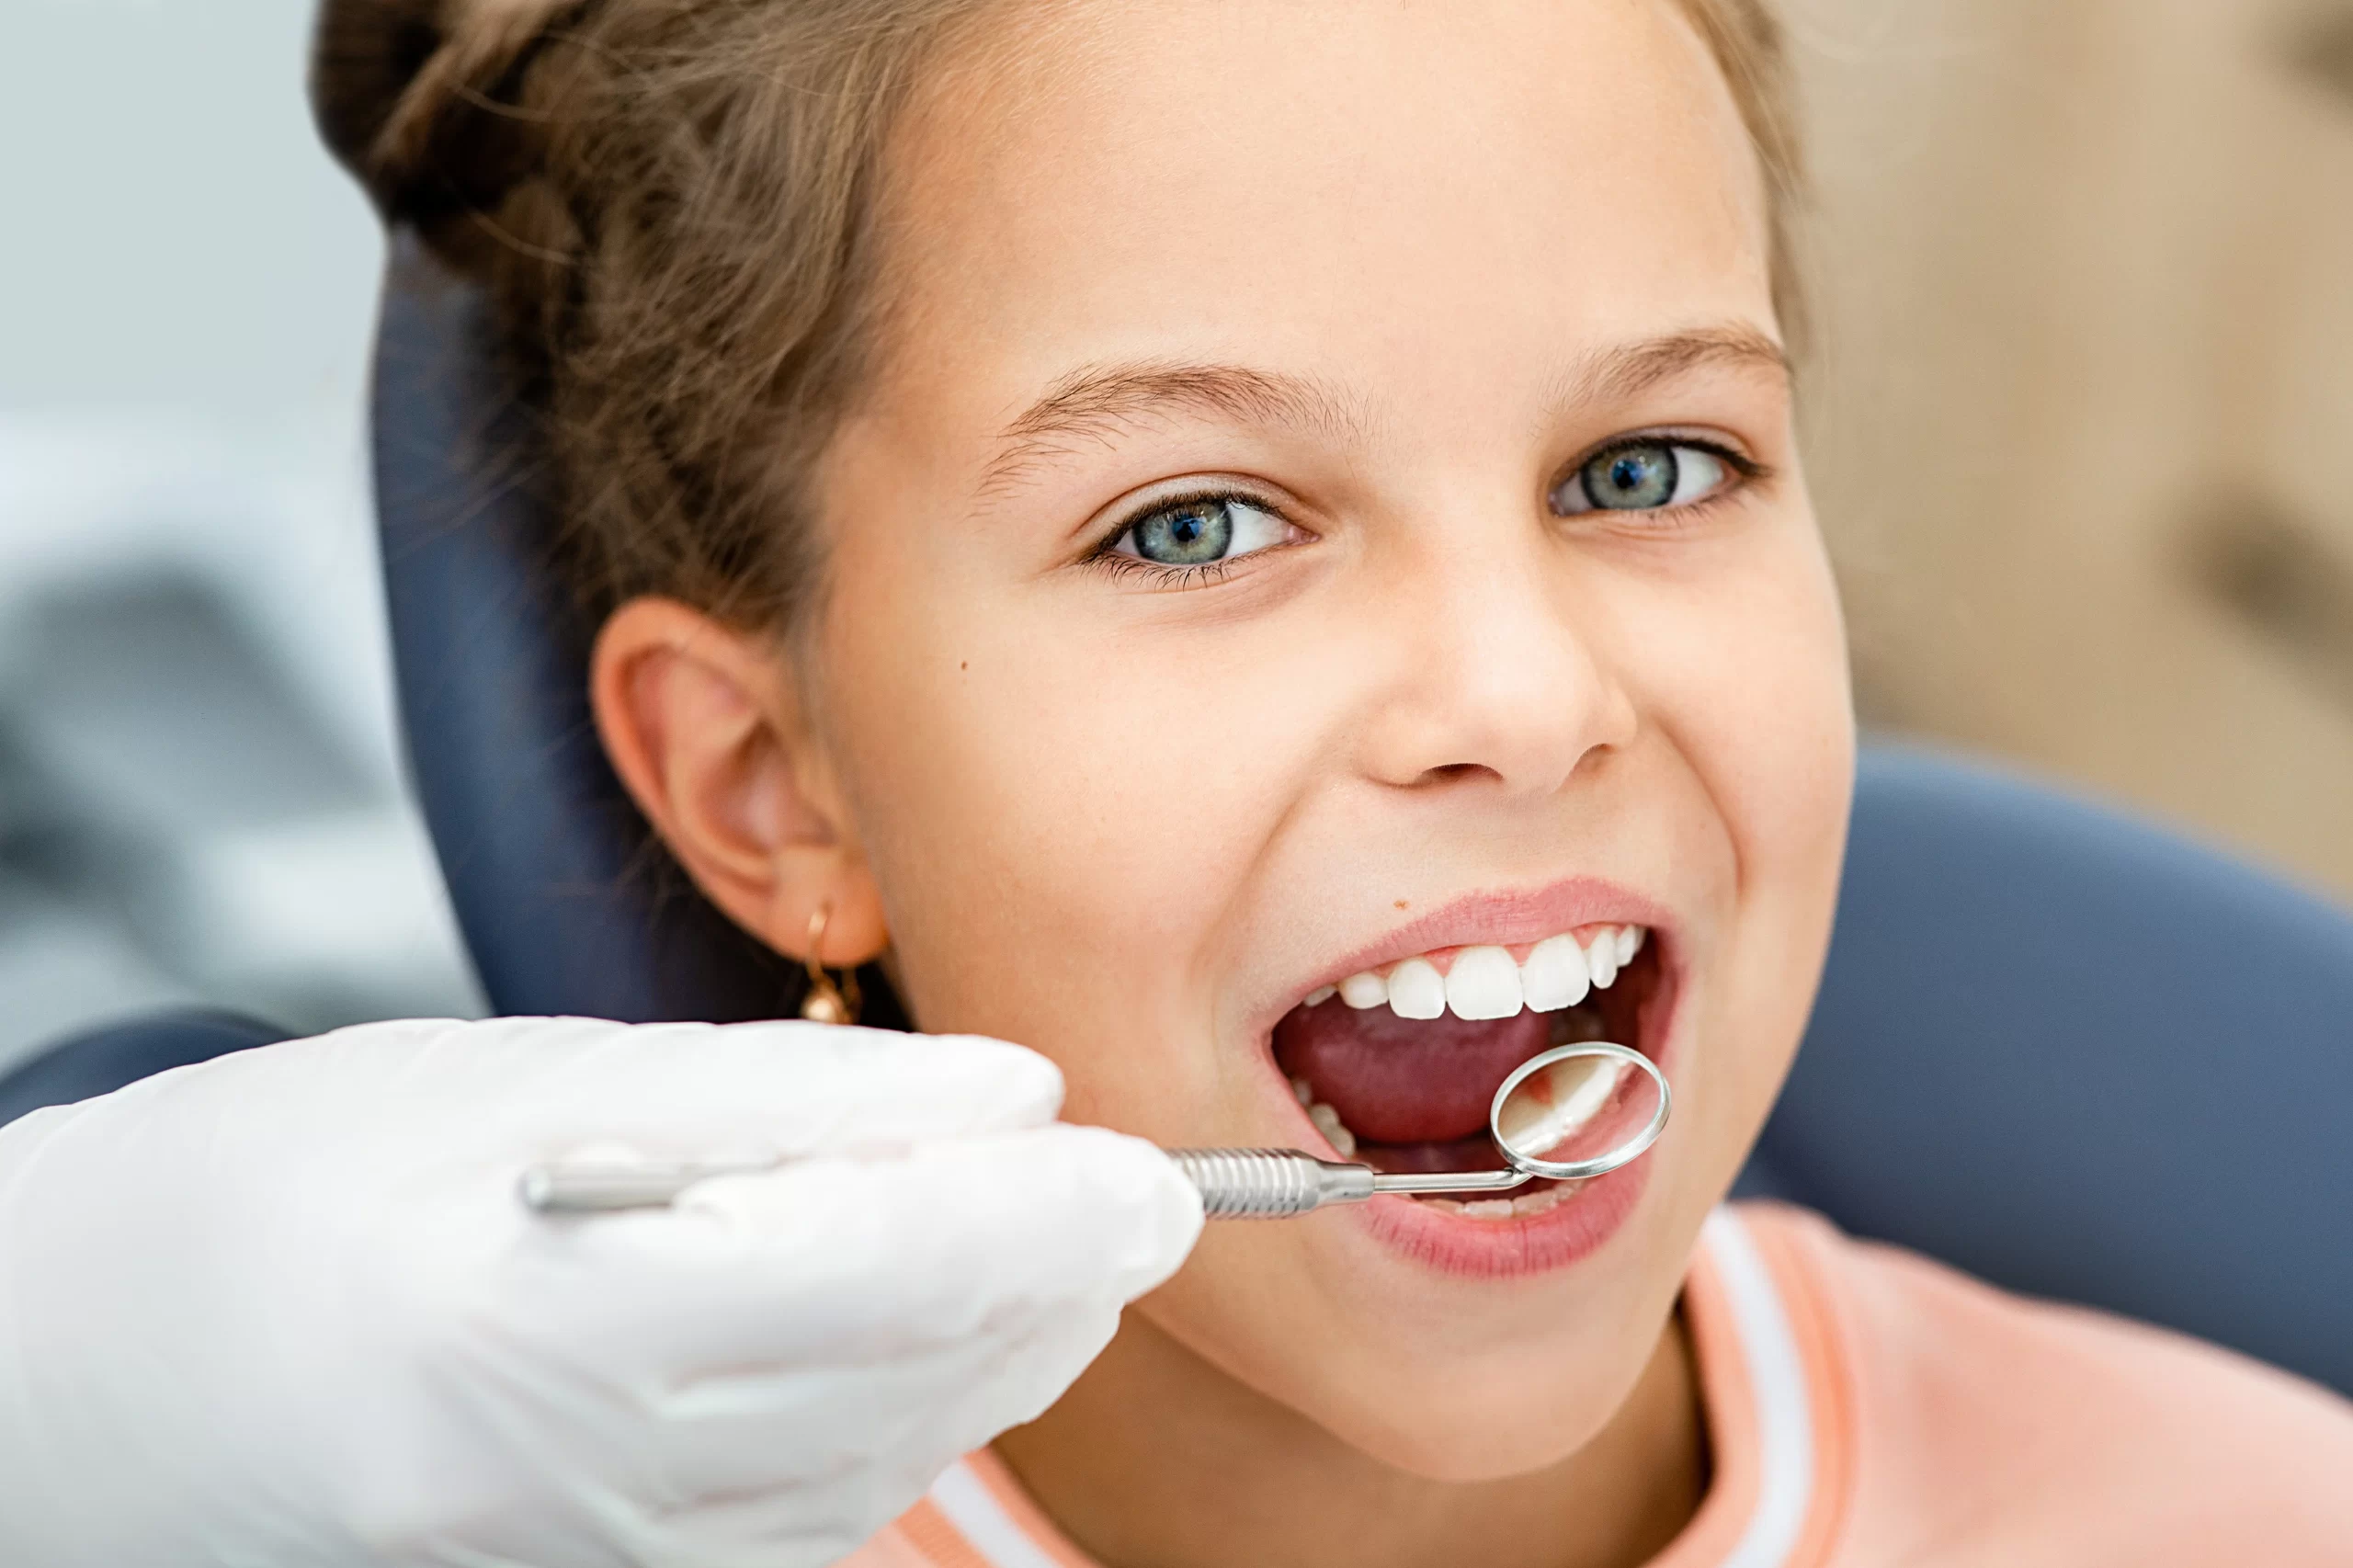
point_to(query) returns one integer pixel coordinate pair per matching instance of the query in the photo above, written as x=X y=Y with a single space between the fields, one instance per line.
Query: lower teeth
x=1327 y=1122
x=1520 y=1208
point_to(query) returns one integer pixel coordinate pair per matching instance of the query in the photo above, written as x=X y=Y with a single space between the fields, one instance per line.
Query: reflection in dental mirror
x=1579 y=1112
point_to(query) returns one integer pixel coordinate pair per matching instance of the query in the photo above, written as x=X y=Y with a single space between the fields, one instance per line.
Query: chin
x=1523 y=1407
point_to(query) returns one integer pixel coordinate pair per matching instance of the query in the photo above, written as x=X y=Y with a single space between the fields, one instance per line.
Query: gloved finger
x=757 y=1470
x=702 y=1091
x=847 y=1263
x=841 y=1449
x=512 y=1091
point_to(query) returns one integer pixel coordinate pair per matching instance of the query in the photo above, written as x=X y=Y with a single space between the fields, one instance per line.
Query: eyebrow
x=1099 y=402
x=1625 y=372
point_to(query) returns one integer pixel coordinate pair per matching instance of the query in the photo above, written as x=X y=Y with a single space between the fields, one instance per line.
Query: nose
x=1498 y=666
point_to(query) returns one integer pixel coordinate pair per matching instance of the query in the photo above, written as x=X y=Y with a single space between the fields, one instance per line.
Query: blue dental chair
x=2063 y=1050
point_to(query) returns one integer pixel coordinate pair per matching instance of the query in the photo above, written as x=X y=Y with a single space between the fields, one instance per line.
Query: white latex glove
x=286 y=1308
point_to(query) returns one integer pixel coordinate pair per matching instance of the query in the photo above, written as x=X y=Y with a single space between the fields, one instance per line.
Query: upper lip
x=1499 y=918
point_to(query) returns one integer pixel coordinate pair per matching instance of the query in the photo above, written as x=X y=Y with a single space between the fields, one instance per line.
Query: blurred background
x=2082 y=427
x=199 y=788
x=2080 y=422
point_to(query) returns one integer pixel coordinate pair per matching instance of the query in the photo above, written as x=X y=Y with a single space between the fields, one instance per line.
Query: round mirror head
x=1579 y=1110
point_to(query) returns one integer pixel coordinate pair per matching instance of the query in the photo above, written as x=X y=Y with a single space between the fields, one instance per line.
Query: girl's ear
x=705 y=725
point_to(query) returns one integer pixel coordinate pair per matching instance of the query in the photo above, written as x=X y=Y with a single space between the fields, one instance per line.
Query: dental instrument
x=1567 y=1114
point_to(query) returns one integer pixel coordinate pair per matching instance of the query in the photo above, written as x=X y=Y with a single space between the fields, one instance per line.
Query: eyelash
x=1176 y=578
x=1744 y=470
x=1108 y=557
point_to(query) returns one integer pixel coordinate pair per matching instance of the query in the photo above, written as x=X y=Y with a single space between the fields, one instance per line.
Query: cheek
x=1055 y=843
x=1786 y=755
x=1758 y=707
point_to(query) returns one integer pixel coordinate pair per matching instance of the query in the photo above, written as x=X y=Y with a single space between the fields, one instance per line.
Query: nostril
x=1455 y=770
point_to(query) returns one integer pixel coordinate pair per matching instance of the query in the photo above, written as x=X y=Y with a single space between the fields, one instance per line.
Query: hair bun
x=416 y=98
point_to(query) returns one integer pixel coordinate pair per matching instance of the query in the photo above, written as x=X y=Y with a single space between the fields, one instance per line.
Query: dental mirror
x=1579 y=1112
x=1567 y=1114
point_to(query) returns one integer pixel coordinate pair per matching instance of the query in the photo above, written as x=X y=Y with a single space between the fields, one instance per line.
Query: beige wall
x=2082 y=422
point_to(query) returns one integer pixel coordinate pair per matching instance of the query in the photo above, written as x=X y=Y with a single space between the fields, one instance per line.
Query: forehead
x=1468 y=187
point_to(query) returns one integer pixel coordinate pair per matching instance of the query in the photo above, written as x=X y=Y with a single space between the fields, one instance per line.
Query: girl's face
x=1328 y=504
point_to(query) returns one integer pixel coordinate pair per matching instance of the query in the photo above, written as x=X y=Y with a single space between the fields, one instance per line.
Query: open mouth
x=1397 y=1066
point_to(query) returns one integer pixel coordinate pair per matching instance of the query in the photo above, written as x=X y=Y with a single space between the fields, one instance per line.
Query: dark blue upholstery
x=2066 y=1051
x=103 y=1060
x=2082 y=1058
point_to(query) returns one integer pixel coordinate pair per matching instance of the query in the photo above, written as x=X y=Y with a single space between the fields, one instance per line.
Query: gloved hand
x=286 y=1308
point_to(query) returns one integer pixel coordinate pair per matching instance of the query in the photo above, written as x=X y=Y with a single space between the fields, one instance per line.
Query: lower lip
x=1500 y=1249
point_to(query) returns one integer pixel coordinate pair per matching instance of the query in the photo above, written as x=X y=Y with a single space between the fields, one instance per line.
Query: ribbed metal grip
x=1268 y=1184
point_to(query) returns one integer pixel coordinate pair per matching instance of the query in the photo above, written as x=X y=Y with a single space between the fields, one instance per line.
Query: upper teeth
x=1487 y=983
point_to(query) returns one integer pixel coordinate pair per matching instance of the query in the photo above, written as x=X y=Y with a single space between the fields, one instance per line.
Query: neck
x=1156 y=1460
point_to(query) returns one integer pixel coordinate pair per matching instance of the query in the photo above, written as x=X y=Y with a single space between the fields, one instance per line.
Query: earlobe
x=704 y=724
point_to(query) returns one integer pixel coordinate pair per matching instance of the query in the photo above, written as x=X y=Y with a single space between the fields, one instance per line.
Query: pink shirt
x=1866 y=1406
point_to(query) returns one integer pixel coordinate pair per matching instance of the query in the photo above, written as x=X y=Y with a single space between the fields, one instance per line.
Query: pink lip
x=1570 y=1230
x=1580 y=1224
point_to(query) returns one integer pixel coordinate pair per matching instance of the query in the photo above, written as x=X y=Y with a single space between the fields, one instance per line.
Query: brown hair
x=668 y=200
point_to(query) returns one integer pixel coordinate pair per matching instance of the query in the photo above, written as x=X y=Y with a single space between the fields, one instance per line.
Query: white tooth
x=1627 y=943
x=1488 y=1208
x=1327 y=1122
x=1602 y=959
x=1364 y=990
x=1299 y=1087
x=1417 y=990
x=1482 y=984
x=1551 y=1197
x=1635 y=936
x=1554 y=975
x=1321 y=994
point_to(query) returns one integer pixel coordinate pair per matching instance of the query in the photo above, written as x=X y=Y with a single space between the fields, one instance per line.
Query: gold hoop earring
x=825 y=1002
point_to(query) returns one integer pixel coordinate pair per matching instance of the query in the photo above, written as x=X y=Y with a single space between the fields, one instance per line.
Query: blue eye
x=1643 y=476
x=1201 y=532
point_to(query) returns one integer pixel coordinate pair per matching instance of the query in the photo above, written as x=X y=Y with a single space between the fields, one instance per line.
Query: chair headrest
x=568 y=902
x=2082 y=1058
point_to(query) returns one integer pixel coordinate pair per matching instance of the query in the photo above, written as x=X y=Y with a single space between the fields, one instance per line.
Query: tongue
x=1404 y=1080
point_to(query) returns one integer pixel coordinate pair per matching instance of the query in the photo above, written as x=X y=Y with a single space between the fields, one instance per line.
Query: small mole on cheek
x=1402 y=903
x=966 y=665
